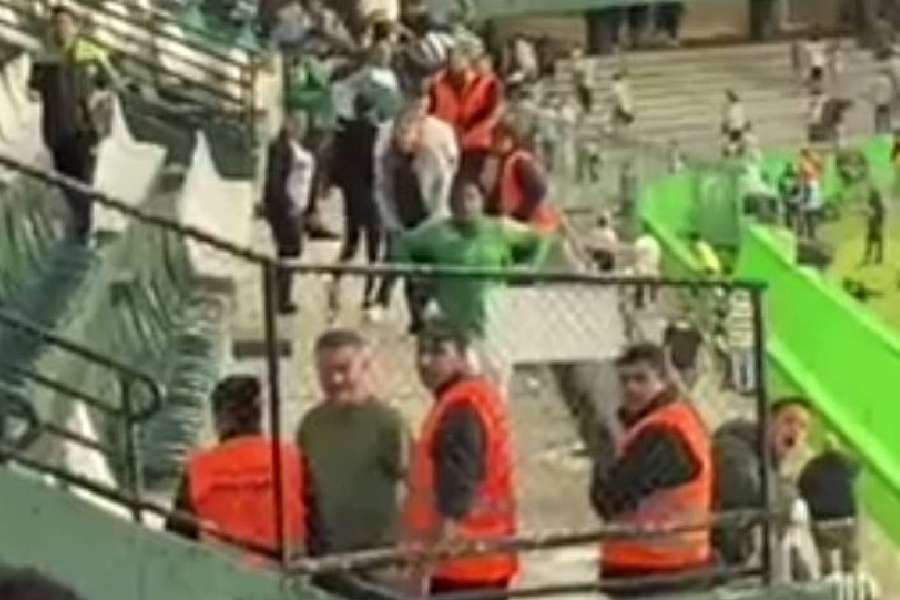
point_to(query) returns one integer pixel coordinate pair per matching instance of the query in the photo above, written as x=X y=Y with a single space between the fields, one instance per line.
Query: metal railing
x=270 y=268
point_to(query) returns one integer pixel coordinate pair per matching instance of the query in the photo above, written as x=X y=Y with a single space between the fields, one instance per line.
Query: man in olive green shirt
x=471 y=239
x=356 y=448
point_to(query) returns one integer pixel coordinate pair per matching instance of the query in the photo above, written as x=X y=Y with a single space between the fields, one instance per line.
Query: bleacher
x=136 y=294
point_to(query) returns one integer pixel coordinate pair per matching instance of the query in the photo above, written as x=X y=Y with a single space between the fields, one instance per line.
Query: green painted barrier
x=821 y=342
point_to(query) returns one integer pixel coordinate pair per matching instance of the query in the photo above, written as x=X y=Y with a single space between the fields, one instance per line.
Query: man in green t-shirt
x=471 y=239
x=356 y=448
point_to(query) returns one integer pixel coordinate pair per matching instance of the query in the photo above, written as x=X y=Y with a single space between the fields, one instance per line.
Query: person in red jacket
x=462 y=481
x=471 y=100
x=230 y=489
x=520 y=190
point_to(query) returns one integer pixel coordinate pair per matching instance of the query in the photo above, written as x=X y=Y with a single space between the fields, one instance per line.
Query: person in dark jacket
x=69 y=81
x=289 y=176
x=827 y=485
x=874 y=250
x=354 y=175
x=739 y=482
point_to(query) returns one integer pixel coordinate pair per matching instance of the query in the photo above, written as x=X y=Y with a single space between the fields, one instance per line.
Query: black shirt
x=460 y=457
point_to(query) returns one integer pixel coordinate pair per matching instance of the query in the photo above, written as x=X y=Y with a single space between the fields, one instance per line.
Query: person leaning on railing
x=70 y=79
x=661 y=476
x=230 y=488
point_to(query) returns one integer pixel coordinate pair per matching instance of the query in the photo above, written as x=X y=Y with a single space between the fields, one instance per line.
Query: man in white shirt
x=289 y=173
x=416 y=159
x=622 y=102
x=734 y=120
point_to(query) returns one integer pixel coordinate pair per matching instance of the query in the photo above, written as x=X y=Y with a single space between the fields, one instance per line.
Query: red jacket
x=473 y=111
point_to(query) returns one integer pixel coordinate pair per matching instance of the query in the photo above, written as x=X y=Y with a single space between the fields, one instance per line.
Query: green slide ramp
x=821 y=342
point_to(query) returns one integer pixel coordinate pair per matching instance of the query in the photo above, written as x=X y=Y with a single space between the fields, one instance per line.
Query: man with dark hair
x=661 y=475
x=738 y=482
x=356 y=447
x=230 y=488
x=28 y=584
x=70 y=79
x=462 y=483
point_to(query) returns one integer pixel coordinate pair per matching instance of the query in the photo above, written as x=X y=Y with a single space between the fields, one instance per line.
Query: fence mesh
x=552 y=346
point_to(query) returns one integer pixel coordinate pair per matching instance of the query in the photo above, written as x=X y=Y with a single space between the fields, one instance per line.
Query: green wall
x=106 y=558
x=820 y=341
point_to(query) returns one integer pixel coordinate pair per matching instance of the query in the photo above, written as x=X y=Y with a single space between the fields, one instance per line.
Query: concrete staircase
x=679 y=94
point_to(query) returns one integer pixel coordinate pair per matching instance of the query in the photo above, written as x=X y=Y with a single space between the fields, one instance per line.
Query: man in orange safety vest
x=462 y=485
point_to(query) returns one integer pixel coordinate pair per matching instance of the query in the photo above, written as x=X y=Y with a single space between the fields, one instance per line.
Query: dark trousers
x=417 y=294
x=319 y=143
x=874 y=252
x=76 y=157
x=447 y=586
x=288 y=238
x=361 y=222
x=668 y=18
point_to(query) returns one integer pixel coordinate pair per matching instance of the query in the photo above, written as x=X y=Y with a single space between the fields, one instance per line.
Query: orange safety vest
x=232 y=489
x=545 y=217
x=493 y=515
x=467 y=110
x=686 y=504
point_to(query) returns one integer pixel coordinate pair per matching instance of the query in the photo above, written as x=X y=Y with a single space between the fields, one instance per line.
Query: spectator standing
x=682 y=340
x=791 y=195
x=811 y=181
x=734 y=119
x=70 y=79
x=357 y=451
x=874 y=251
x=662 y=475
x=230 y=488
x=622 y=102
x=425 y=54
x=815 y=51
x=354 y=175
x=471 y=101
x=603 y=244
x=289 y=174
x=817 y=126
x=416 y=159
x=462 y=486
x=883 y=97
x=739 y=335
x=469 y=239
x=647 y=259
x=520 y=191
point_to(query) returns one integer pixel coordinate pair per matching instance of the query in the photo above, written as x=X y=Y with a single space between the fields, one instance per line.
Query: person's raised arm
x=529 y=247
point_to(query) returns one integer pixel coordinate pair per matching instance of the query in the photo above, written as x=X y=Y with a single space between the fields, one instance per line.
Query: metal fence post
x=132 y=450
x=270 y=312
x=763 y=446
